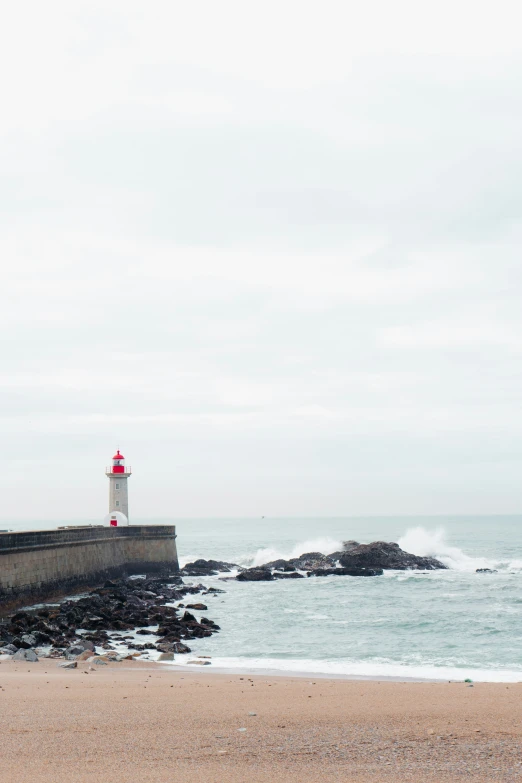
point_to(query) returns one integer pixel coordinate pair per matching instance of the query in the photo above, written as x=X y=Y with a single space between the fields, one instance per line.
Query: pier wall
x=37 y=565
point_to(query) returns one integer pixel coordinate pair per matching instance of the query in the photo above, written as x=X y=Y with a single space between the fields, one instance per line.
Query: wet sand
x=137 y=723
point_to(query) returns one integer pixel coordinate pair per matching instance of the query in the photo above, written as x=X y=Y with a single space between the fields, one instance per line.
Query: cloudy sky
x=271 y=250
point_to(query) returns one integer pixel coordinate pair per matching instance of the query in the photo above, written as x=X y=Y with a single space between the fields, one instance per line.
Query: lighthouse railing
x=126 y=469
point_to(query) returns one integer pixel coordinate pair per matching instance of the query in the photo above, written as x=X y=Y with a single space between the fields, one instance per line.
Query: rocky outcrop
x=255 y=575
x=208 y=568
x=388 y=556
x=353 y=560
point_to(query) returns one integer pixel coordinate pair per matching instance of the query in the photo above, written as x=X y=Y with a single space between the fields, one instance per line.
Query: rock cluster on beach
x=123 y=605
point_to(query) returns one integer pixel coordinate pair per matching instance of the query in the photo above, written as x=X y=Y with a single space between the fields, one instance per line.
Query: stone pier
x=39 y=564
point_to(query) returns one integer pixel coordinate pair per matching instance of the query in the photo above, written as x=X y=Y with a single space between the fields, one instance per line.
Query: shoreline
x=129 y=721
x=304 y=674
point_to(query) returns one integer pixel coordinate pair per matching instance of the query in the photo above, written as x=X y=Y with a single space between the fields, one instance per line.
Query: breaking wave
x=432 y=543
x=324 y=544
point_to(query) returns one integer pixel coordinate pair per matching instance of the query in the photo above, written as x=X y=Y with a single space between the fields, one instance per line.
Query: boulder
x=255 y=575
x=208 y=568
x=179 y=647
x=198 y=607
x=85 y=655
x=28 y=640
x=76 y=649
x=486 y=571
x=68 y=665
x=389 y=556
x=165 y=647
x=25 y=655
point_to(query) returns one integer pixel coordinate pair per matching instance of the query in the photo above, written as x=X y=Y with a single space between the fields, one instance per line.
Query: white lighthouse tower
x=118 y=492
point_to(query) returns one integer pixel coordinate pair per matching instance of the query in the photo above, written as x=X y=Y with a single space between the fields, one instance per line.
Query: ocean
x=444 y=625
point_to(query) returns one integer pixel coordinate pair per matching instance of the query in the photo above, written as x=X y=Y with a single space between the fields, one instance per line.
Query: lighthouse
x=118 y=474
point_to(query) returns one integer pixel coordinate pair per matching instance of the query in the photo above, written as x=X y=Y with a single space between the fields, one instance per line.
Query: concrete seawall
x=37 y=565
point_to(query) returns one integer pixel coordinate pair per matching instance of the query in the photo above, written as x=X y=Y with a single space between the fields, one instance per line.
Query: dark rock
x=255 y=575
x=9 y=649
x=311 y=561
x=381 y=554
x=486 y=571
x=210 y=624
x=346 y=572
x=286 y=575
x=351 y=544
x=165 y=647
x=179 y=647
x=280 y=565
x=28 y=640
x=78 y=648
x=21 y=617
x=208 y=568
x=198 y=607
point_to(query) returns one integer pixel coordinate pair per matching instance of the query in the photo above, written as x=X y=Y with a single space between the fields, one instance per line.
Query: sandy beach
x=132 y=722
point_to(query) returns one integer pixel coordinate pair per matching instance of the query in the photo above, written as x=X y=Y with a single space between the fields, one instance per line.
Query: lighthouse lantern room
x=118 y=474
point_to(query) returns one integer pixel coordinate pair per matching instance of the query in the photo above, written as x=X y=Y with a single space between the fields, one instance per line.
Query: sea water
x=451 y=624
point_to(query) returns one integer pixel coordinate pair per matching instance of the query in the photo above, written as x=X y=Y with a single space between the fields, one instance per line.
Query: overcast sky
x=270 y=250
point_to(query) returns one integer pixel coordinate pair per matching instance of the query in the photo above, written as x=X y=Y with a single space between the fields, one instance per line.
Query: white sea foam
x=432 y=543
x=366 y=670
x=324 y=544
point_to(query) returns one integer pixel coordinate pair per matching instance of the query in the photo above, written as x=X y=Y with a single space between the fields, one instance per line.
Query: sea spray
x=432 y=543
x=324 y=544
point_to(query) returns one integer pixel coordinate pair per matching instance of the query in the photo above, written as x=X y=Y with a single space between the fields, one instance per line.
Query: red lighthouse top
x=118 y=463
